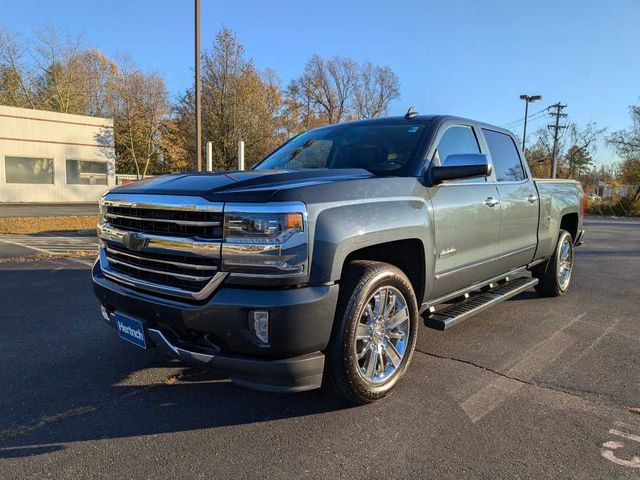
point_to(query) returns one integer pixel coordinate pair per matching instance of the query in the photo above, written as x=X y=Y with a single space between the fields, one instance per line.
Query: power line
x=517 y=124
x=556 y=129
x=521 y=120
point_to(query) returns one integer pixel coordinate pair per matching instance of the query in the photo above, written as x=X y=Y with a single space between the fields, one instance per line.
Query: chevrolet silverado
x=315 y=267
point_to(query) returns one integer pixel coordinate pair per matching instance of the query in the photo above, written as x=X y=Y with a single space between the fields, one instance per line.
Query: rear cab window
x=507 y=163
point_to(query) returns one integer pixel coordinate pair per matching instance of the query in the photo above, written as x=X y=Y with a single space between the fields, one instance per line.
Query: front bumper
x=299 y=330
x=294 y=374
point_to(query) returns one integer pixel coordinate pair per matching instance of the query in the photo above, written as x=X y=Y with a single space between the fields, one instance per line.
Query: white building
x=54 y=157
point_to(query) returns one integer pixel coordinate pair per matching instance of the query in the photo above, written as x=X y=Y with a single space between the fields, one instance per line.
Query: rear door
x=519 y=201
x=466 y=218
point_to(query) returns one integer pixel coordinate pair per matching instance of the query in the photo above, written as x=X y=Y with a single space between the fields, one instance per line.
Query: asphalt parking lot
x=534 y=388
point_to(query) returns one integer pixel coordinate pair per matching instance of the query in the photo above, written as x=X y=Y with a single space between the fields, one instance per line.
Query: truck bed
x=558 y=197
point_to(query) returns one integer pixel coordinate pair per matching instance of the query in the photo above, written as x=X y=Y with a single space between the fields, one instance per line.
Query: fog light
x=259 y=325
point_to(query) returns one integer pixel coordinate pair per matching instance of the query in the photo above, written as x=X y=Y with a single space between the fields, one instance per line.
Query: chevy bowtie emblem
x=134 y=241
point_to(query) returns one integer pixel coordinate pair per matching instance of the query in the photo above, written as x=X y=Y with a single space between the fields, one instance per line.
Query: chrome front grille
x=166 y=222
x=172 y=270
x=164 y=244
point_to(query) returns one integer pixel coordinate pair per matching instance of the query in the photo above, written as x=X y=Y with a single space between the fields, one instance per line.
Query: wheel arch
x=408 y=255
x=569 y=222
x=397 y=231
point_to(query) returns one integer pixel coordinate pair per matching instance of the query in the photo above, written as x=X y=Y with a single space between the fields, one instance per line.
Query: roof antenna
x=410 y=113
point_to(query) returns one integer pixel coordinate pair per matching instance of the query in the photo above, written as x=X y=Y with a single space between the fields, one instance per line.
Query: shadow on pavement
x=60 y=358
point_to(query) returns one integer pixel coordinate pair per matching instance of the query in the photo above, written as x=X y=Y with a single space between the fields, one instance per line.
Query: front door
x=519 y=202
x=466 y=220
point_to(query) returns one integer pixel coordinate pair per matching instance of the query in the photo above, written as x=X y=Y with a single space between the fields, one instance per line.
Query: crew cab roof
x=435 y=120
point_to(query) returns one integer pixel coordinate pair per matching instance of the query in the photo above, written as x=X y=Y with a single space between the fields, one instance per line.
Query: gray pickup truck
x=315 y=267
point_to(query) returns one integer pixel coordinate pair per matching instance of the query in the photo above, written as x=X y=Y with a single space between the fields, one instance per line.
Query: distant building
x=54 y=157
x=611 y=191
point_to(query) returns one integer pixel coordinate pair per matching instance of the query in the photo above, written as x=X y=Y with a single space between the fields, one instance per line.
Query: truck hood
x=245 y=186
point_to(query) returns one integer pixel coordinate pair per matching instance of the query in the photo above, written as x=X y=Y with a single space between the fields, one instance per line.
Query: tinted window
x=28 y=170
x=385 y=149
x=504 y=154
x=85 y=172
x=456 y=140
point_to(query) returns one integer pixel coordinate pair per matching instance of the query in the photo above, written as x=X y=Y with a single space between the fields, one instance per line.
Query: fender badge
x=448 y=251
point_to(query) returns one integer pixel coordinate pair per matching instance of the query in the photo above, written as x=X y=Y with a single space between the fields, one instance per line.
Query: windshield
x=383 y=149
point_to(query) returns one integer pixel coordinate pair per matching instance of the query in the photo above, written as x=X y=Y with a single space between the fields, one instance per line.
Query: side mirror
x=459 y=166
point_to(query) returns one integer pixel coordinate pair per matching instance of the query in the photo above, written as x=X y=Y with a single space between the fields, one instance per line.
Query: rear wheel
x=374 y=332
x=555 y=274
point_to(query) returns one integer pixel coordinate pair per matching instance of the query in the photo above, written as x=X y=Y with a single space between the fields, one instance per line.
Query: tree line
x=575 y=152
x=154 y=133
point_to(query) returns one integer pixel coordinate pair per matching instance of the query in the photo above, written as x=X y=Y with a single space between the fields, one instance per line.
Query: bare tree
x=575 y=150
x=139 y=107
x=627 y=142
x=300 y=113
x=627 y=145
x=59 y=84
x=337 y=89
x=15 y=81
x=583 y=142
x=540 y=153
x=329 y=86
x=61 y=76
x=376 y=89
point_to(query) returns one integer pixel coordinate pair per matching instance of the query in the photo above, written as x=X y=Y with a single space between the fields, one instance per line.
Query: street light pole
x=527 y=100
x=197 y=88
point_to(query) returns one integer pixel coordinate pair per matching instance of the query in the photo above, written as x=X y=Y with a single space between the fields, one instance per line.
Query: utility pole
x=197 y=88
x=527 y=100
x=556 y=129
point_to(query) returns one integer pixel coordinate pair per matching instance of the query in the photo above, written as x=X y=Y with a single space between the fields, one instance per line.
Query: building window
x=85 y=172
x=28 y=170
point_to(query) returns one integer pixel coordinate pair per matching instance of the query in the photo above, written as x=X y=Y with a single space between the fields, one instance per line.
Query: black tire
x=549 y=284
x=362 y=280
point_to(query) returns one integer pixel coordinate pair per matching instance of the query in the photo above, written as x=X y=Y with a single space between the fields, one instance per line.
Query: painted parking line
x=53 y=245
x=532 y=362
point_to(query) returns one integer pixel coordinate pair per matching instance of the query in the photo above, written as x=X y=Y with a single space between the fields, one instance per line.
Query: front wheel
x=555 y=274
x=374 y=332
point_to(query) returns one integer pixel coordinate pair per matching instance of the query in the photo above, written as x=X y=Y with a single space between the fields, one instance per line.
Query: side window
x=455 y=140
x=505 y=157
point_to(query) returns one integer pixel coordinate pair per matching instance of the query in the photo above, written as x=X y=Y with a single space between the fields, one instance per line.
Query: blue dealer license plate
x=131 y=330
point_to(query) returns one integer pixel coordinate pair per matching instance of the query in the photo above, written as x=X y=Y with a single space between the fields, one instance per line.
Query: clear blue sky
x=464 y=57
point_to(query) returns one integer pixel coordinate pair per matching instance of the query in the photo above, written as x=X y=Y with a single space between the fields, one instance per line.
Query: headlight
x=265 y=240
x=261 y=228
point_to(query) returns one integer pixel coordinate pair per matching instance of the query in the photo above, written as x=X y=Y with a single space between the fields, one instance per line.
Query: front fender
x=341 y=229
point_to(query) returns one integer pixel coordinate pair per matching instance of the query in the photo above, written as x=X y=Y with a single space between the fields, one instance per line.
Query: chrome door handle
x=491 y=202
x=532 y=198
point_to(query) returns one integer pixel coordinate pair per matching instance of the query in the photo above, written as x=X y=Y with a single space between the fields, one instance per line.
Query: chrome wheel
x=565 y=263
x=382 y=335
